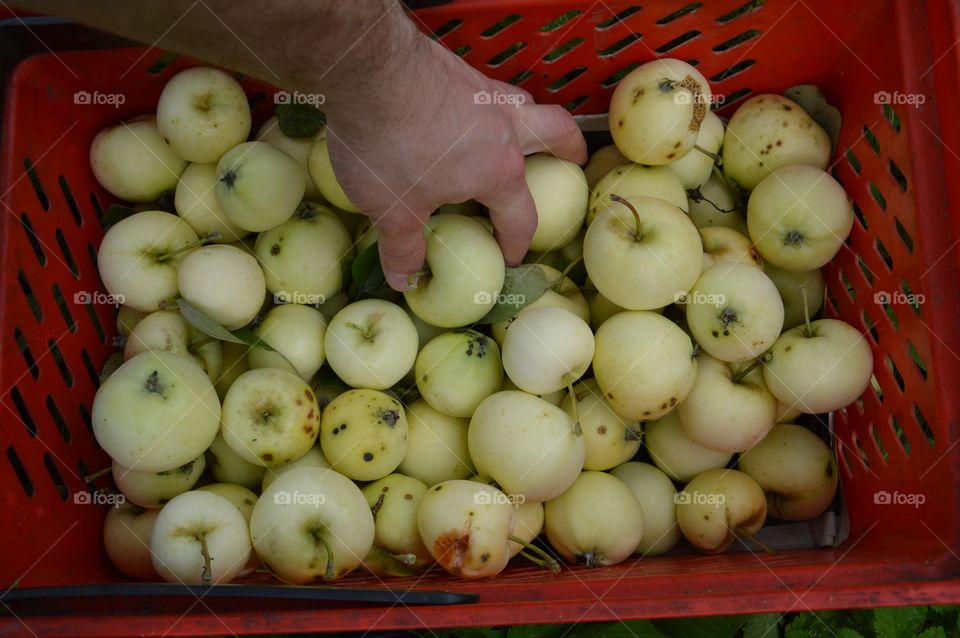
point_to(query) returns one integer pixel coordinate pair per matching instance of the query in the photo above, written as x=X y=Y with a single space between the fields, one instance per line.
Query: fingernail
x=400 y=281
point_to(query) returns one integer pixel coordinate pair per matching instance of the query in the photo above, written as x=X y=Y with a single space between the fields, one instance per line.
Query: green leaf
x=707 y=627
x=116 y=213
x=521 y=287
x=846 y=632
x=762 y=626
x=899 y=622
x=110 y=366
x=933 y=632
x=368 y=278
x=811 y=99
x=621 y=629
x=300 y=120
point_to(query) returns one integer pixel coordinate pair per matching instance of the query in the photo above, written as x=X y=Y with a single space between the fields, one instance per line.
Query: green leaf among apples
x=300 y=120
x=521 y=287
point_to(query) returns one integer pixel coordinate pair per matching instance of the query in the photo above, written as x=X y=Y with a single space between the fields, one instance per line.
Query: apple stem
x=205 y=575
x=328 y=573
x=576 y=409
x=406 y=559
x=696 y=195
x=566 y=271
x=636 y=216
x=756 y=541
x=759 y=361
x=808 y=330
x=536 y=555
x=200 y=242
x=717 y=160
x=734 y=188
x=90 y=478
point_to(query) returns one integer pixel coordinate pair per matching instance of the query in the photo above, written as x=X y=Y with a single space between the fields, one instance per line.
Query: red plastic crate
x=899 y=163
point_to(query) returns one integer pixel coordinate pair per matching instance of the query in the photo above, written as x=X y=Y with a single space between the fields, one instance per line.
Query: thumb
x=402 y=249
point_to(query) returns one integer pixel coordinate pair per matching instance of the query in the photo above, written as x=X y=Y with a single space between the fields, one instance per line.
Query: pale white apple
x=156 y=412
x=200 y=538
x=126 y=537
x=656 y=494
x=364 y=434
x=799 y=217
x=553 y=398
x=296 y=333
x=729 y=408
x=466 y=527
x=258 y=186
x=644 y=364
x=167 y=330
x=725 y=245
x=609 y=438
x=139 y=257
x=131 y=161
x=529 y=447
x=696 y=167
x=602 y=161
x=676 y=454
x=793 y=286
x=304 y=258
x=768 y=132
x=601 y=309
x=227 y=466
x=371 y=344
x=562 y=294
x=714 y=204
x=296 y=147
x=657 y=109
x=796 y=469
x=559 y=190
x=313 y=458
x=224 y=282
x=196 y=203
x=202 y=113
x=153 y=489
x=244 y=500
x=320 y=170
x=437 y=449
x=734 y=311
x=821 y=367
x=636 y=180
x=466 y=272
x=394 y=501
x=455 y=371
x=719 y=506
x=270 y=417
x=312 y=524
x=641 y=261
x=547 y=349
x=597 y=521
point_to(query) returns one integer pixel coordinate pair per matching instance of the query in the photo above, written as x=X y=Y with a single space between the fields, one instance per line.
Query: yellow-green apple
x=609 y=438
x=563 y=294
x=126 y=537
x=719 y=506
x=437 y=448
x=696 y=167
x=793 y=286
x=725 y=245
x=363 y=433
x=131 y=161
x=560 y=193
x=296 y=147
x=603 y=160
x=312 y=458
x=636 y=180
x=547 y=349
x=673 y=451
x=655 y=492
x=224 y=282
x=296 y=333
x=394 y=501
x=258 y=186
x=455 y=371
x=320 y=171
x=227 y=466
x=153 y=489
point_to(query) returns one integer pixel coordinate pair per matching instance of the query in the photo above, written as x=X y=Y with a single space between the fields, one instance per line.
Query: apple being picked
x=270 y=417
x=734 y=311
x=131 y=161
x=644 y=364
x=657 y=109
x=320 y=171
x=641 y=252
x=258 y=186
x=156 y=412
x=200 y=538
x=312 y=524
x=371 y=344
x=364 y=434
x=139 y=257
x=466 y=272
x=559 y=191
x=796 y=469
x=719 y=506
x=202 y=113
x=799 y=217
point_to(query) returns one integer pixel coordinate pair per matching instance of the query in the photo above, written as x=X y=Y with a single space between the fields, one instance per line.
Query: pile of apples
x=334 y=425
